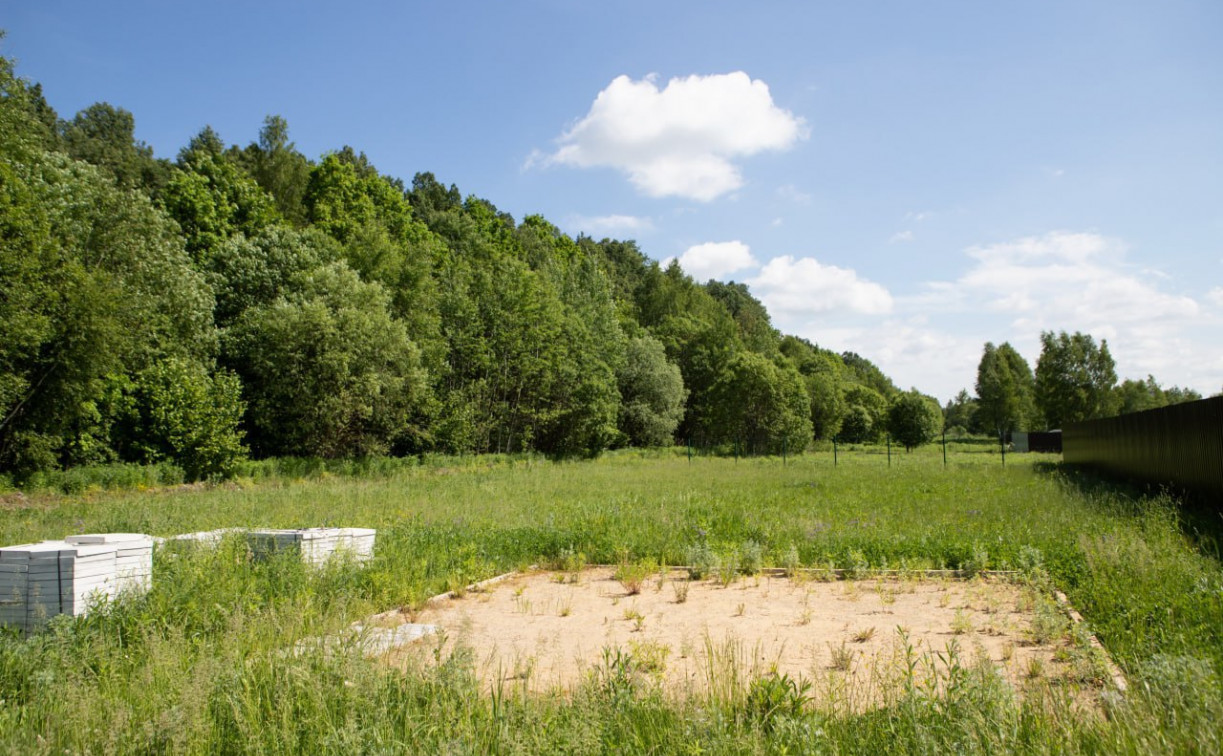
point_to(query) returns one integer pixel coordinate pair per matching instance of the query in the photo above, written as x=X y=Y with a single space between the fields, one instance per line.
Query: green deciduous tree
x=382 y=240
x=1075 y=379
x=960 y=414
x=699 y=334
x=755 y=327
x=177 y=410
x=914 y=419
x=279 y=169
x=104 y=135
x=212 y=199
x=1004 y=390
x=865 y=372
x=823 y=374
x=652 y=394
x=1136 y=396
x=104 y=287
x=585 y=391
x=327 y=371
x=759 y=406
x=865 y=415
x=248 y=272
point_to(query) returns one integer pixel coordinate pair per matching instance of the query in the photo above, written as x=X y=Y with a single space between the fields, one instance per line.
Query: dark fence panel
x=1180 y=446
x=1047 y=442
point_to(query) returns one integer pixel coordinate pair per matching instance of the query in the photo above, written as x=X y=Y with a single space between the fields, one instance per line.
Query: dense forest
x=249 y=300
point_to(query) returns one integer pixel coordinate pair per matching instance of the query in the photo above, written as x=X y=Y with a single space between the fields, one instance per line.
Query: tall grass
x=200 y=664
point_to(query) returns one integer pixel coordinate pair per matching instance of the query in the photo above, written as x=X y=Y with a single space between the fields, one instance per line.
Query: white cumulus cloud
x=1075 y=278
x=610 y=225
x=681 y=140
x=793 y=287
x=716 y=259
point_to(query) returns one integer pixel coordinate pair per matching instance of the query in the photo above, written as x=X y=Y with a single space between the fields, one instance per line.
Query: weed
x=1030 y=560
x=680 y=587
x=842 y=657
x=887 y=594
x=775 y=697
x=856 y=565
x=632 y=575
x=636 y=617
x=650 y=656
x=571 y=563
x=751 y=558
x=791 y=562
x=701 y=561
x=1048 y=623
x=961 y=623
x=456 y=585
x=728 y=569
x=862 y=636
x=977 y=562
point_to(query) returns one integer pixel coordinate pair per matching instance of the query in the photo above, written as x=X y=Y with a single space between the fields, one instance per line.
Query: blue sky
x=905 y=180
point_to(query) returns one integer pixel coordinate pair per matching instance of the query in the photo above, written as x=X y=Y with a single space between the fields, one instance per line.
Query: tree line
x=1075 y=379
x=247 y=300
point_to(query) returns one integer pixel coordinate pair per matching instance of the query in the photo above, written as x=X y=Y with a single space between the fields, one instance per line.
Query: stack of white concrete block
x=41 y=580
x=316 y=545
x=205 y=538
x=133 y=558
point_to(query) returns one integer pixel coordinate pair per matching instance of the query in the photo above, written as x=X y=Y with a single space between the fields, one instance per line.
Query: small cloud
x=804 y=286
x=681 y=140
x=777 y=222
x=918 y=217
x=901 y=237
x=792 y=193
x=716 y=259
x=1215 y=296
x=610 y=225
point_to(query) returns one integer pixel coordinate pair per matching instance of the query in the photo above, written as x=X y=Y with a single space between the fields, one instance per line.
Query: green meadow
x=199 y=665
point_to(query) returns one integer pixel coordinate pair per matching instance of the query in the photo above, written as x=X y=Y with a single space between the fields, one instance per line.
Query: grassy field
x=199 y=665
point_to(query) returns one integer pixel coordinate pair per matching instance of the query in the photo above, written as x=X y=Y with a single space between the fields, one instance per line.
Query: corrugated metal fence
x=1180 y=446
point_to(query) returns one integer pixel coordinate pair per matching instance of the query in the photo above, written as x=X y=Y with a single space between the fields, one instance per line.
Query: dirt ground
x=852 y=640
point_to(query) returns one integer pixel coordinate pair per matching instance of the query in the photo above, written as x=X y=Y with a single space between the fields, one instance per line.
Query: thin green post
x=944 y=447
x=834 y=452
x=889 y=450
x=1002 y=447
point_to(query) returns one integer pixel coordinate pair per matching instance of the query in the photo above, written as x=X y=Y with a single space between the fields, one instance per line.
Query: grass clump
x=633 y=575
x=751 y=558
x=701 y=560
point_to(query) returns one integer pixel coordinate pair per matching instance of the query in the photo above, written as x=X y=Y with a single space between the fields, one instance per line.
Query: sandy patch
x=854 y=640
